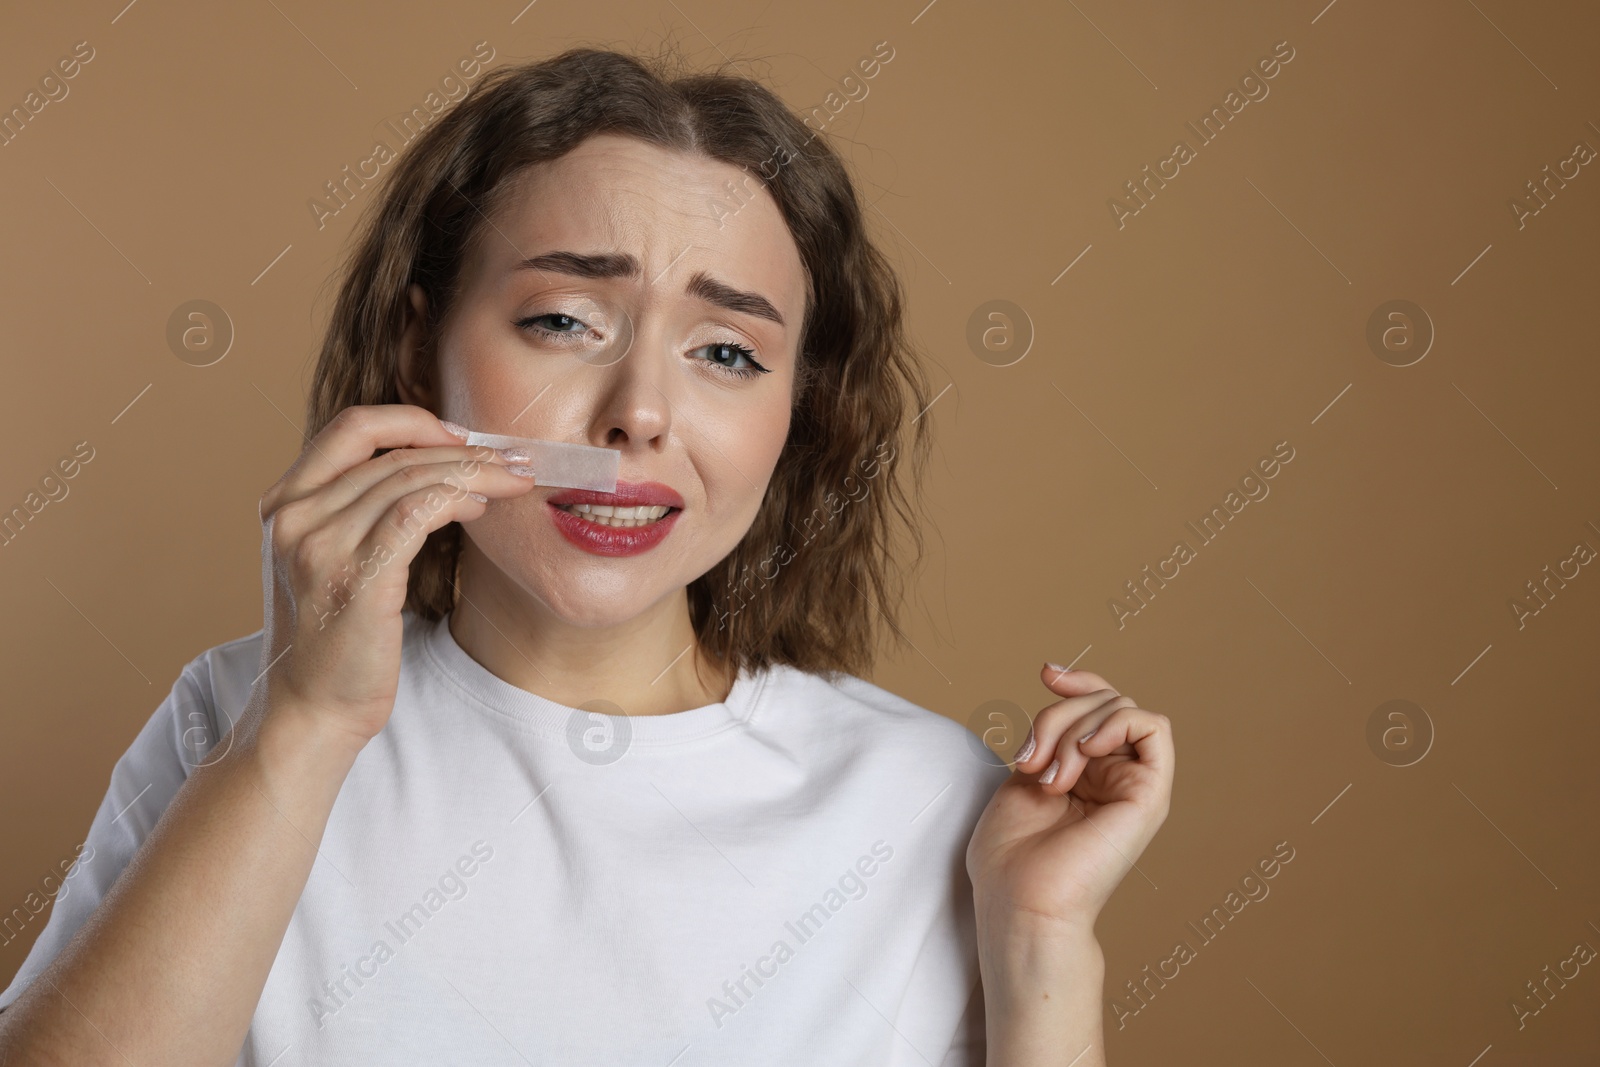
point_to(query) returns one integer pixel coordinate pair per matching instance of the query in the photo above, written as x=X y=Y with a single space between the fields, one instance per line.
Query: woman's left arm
x=1092 y=784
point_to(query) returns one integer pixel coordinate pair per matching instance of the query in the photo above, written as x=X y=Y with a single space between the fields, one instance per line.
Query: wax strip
x=560 y=463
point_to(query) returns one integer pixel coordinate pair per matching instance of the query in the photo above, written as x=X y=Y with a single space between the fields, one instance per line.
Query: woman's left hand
x=1048 y=854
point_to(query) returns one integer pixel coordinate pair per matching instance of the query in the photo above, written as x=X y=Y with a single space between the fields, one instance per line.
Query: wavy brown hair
x=816 y=572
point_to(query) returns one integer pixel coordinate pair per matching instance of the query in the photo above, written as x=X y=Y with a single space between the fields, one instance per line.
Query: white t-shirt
x=778 y=878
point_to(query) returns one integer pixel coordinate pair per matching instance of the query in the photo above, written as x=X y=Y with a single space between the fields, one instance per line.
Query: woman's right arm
x=160 y=973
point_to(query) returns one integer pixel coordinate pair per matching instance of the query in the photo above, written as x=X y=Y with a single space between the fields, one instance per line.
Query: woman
x=520 y=775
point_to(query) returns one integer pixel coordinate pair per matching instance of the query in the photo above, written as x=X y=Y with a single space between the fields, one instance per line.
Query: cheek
x=751 y=441
x=484 y=375
x=480 y=393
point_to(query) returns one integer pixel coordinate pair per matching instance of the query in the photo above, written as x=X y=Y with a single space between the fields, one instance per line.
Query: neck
x=650 y=664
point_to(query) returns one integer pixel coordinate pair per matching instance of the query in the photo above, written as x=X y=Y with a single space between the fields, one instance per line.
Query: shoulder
x=853 y=712
x=211 y=693
x=222 y=676
x=230 y=666
x=205 y=700
x=871 y=706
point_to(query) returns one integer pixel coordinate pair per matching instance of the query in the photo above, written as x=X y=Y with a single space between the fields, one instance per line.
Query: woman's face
x=654 y=281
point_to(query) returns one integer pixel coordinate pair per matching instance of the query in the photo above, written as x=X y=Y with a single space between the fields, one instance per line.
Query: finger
x=1070 y=683
x=350 y=438
x=392 y=497
x=392 y=544
x=1148 y=732
x=1065 y=761
x=1061 y=718
x=461 y=461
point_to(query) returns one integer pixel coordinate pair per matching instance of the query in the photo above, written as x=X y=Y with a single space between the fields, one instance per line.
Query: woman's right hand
x=339 y=532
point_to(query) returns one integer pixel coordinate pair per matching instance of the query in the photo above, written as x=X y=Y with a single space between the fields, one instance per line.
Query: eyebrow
x=624 y=265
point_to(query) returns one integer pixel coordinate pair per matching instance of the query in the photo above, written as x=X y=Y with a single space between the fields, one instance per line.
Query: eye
x=733 y=354
x=564 y=321
x=729 y=357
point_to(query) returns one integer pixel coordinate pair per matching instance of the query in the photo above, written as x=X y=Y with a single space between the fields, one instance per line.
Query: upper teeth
x=611 y=515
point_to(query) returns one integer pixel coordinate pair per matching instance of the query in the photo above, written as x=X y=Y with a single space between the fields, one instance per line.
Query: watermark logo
x=599 y=733
x=199 y=332
x=1253 y=488
x=53 y=489
x=995 y=728
x=1252 y=888
x=339 y=990
x=1542 y=590
x=1000 y=333
x=55 y=885
x=1540 y=994
x=198 y=743
x=1399 y=732
x=1400 y=333
x=1253 y=88
x=1542 y=190
x=851 y=885
x=53 y=89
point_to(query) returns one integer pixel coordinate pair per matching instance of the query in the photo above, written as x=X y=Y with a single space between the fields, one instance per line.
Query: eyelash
x=752 y=371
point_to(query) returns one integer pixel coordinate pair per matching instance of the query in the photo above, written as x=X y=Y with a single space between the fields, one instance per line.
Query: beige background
x=1229 y=315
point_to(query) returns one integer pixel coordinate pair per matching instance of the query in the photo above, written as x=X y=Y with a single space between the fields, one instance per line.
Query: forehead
x=668 y=208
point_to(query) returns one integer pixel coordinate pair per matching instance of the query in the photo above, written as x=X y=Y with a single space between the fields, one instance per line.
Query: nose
x=633 y=411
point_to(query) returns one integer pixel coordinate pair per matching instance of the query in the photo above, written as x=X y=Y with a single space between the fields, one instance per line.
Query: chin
x=598 y=595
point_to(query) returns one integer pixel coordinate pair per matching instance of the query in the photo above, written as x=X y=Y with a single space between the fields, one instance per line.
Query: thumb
x=1070 y=683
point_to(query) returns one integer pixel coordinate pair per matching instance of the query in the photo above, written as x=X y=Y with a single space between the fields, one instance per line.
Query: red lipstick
x=604 y=540
x=627 y=495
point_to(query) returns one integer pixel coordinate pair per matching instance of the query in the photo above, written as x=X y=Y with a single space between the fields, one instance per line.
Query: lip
x=615 y=540
x=627 y=495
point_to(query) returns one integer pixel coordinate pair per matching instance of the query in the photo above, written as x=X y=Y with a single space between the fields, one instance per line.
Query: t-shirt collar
x=586 y=728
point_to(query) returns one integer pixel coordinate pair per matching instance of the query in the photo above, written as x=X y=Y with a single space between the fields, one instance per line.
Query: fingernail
x=1088 y=735
x=479 y=497
x=1026 y=748
x=459 y=431
x=1049 y=774
x=521 y=471
x=514 y=455
x=1058 y=668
